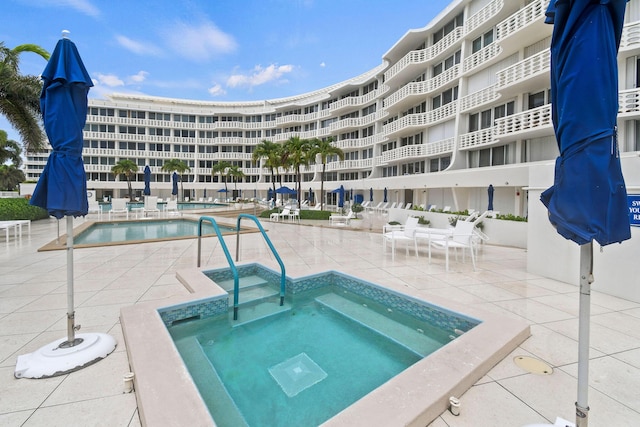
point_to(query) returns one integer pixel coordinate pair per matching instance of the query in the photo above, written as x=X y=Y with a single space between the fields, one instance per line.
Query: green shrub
x=304 y=214
x=511 y=217
x=357 y=208
x=423 y=221
x=12 y=209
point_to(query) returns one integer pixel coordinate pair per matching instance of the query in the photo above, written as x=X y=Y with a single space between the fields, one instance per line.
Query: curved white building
x=455 y=106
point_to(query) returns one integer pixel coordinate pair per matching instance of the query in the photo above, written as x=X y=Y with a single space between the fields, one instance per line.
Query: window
x=445 y=97
x=539 y=99
x=447 y=63
x=483 y=41
x=458 y=21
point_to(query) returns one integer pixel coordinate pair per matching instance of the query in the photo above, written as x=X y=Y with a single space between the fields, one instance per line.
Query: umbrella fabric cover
x=62 y=187
x=285 y=190
x=490 y=191
x=588 y=200
x=371 y=194
x=174 y=188
x=147 y=181
x=385 y=195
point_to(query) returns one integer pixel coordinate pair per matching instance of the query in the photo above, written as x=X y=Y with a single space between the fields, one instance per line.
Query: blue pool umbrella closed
x=490 y=195
x=174 y=188
x=385 y=195
x=371 y=194
x=340 y=191
x=204 y=194
x=62 y=191
x=147 y=181
x=588 y=198
x=310 y=195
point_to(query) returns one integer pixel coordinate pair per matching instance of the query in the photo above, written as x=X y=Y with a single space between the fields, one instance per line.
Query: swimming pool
x=93 y=234
x=302 y=363
x=413 y=397
x=183 y=206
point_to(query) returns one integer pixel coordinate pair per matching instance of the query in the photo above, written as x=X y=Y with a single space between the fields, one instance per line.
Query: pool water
x=183 y=206
x=304 y=362
x=129 y=231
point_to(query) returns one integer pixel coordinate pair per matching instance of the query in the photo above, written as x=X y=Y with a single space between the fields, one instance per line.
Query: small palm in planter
x=357 y=208
x=423 y=221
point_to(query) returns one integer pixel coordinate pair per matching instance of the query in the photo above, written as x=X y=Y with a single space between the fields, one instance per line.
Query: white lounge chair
x=151 y=205
x=118 y=206
x=408 y=207
x=171 y=208
x=461 y=238
x=94 y=207
x=406 y=233
x=341 y=219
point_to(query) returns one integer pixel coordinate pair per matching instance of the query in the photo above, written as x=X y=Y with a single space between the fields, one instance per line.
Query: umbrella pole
x=71 y=328
x=586 y=278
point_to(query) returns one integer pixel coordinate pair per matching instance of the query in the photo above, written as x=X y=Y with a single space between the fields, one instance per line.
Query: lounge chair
x=118 y=206
x=446 y=209
x=406 y=233
x=341 y=219
x=94 y=207
x=279 y=216
x=171 y=208
x=461 y=238
x=150 y=205
x=408 y=207
x=374 y=208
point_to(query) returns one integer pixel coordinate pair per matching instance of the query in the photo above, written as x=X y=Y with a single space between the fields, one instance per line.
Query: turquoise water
x=125 y=231
x=323 y=351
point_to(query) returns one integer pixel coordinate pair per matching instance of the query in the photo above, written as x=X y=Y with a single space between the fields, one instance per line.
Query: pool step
x=408 y=337
x=209 y=384
x=250 y=312
x=243 y=282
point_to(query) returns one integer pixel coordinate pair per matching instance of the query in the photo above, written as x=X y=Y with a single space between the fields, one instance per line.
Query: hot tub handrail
x=273 y=250
x=236 y=281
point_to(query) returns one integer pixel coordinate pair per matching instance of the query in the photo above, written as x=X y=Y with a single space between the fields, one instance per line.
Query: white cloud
x=322 y=65
x=139 y=77
x=83 y=6
x=110 y=80
x=137 y=47
x=259 y=75
x=217 y=90
x=199 y=43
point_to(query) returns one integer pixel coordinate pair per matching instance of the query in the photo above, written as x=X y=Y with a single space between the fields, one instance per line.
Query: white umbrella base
x=59 y=359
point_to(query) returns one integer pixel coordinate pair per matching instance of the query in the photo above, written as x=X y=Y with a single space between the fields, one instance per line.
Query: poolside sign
x=634 y=209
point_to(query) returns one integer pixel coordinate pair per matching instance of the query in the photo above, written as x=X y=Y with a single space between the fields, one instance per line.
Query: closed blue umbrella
x=341 y=197
x=204 y=194
x=147 y=181
x=310 y=195
x=588 y=199
x=371 y=194
x=62 y=191
x=385 y=195
x=490 y=195
x=174 y=188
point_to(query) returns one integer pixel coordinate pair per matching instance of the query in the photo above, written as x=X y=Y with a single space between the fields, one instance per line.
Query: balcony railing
x=349 y=164
x=422 y=88
x=421 y=119
x=415 y=151
x=540 y=62
x=475 y=139
x=630 y=36
x=483 y=15
x=629 y=101
x=355 y=143
x=527 y=120
x=479 y=98
x=533 y=12
x=418 y=57
x=480 y=57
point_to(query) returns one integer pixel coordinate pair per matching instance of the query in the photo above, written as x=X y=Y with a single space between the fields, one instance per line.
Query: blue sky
x=215 y=50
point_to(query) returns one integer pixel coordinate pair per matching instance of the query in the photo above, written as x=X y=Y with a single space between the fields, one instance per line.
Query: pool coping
x=415 y=397
x=61 y=242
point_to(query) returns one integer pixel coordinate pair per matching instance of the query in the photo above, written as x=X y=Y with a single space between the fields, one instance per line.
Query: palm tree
x=175 y=165
x=297 y=154
x=127 y=168
x=235 y=173
x=221 y=168
x=9 y=150
x=20 y=96
x=271 y=152
x=325 y=149
x=10 y=177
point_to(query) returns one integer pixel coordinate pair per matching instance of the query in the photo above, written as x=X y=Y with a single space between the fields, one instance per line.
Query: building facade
x=454 y=107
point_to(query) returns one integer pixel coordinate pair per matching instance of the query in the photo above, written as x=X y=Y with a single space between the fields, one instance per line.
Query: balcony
x=482 y=16
x=532 y=123
x=355 y=143
x=630 y=41
x=629 y=102
x=476 y=139
x=531 y=72
x=482 y=57
x=296 y=118
x=524 y=27
x=349 y=165
x=414 y=92
x=413 y=152
x=420 y=120
x=416 y=60
x=477 y=99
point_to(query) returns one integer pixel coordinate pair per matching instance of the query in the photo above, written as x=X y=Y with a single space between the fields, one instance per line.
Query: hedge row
x=12 y=209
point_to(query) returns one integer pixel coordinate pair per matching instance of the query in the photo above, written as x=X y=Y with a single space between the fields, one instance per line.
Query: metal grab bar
x=236 y=282
x=273 y=249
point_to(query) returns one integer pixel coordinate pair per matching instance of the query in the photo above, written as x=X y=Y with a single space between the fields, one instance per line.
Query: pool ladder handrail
x=234 y=270
x=283 y=279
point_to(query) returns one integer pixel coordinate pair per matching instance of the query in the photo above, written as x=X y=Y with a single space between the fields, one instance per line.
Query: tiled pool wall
x=435 y=315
